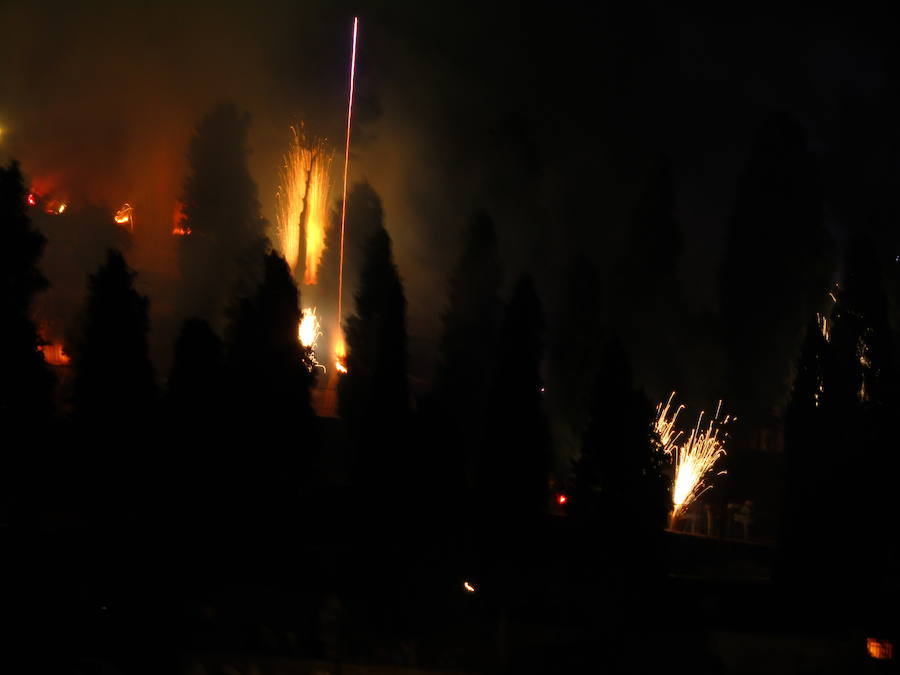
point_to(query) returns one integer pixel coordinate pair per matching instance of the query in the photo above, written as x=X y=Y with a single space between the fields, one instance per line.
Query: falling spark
x=469 y=587
x=695 y=459
x=291 y=195
x=317 y=191
x=340 y=348
x=31 y=200
x=665 y=425
x=62 y=208
x=125 y=215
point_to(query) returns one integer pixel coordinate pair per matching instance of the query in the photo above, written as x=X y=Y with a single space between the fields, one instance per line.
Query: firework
x=317 y=191
x=665 y=425
x=695 y=460
x=291 y=196
x=340 y=348
x=340 y=355
x=308 y=332
x=125 y=216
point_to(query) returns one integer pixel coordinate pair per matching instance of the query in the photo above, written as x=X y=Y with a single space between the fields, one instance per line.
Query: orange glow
x=291 y=196
x=62 y=208
x=882 y=650
x=317 y=190
x=302 y=199
x=561 y=499
x=125 y=216
x=469 y=587
x=54 y=354
x=31 y=200
x=340 y=355
x=181 y=231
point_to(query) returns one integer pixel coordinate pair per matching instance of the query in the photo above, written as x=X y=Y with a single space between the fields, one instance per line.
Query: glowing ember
x=469 y=587
x=32 y=200
x=178 y=218
x=561 y=499
x=54 y=354
x=882 y=650
x=62 y=208
x=695 y=459
x=340 y=355
x=665 y=425
x=317 y=191
x=125 y=216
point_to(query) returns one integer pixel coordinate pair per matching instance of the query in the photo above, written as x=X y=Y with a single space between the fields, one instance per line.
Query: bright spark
x=695 y=460
x=291 y=196
x=62 y=208
x=469 y=587
x=665 y=425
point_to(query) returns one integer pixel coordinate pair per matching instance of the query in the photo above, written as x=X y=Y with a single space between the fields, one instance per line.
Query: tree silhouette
x=575 y=355
x=467 y=345
x=26 y=384
x=194 y=394
x=268 y=409
x=373 y=397
x=648 y=298
x=514 y=457
x=222 y=212
x=113 y=384
x=618 y=477
x=269 y=370
x=777 y=262
x=809 y=465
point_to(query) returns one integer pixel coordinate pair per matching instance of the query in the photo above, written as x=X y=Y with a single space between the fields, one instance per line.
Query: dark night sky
x=549 y=117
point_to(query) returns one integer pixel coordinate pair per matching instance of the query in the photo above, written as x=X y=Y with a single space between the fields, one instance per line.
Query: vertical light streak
x=346 y=164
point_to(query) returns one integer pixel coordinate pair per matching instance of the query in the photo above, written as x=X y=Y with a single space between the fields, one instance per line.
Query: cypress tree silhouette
x=648 y=299
x=269 y=380
x=576 y=351
x=467 y=345
x=373 y=397
x=514 y=458
x=269 y=369
x=26 y=386
x=194 y=393
x=618 y=478
x=113 y=386
x=222 y=212
x=809 y=476
x=777 y=261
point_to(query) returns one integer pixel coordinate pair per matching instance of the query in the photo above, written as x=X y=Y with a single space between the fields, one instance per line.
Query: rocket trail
x=346 y=164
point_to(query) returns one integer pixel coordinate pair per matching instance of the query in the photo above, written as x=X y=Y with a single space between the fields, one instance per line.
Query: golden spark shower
x=694 y=458
x=302 y=203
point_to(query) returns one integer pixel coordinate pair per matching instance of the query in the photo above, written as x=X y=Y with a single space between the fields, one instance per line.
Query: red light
x=561 y=499
x=31 y=200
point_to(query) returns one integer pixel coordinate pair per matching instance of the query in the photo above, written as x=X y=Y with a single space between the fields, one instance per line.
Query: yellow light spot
x=469 y=587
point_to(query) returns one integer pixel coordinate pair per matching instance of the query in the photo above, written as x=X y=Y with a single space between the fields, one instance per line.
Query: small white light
x=469 y=587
